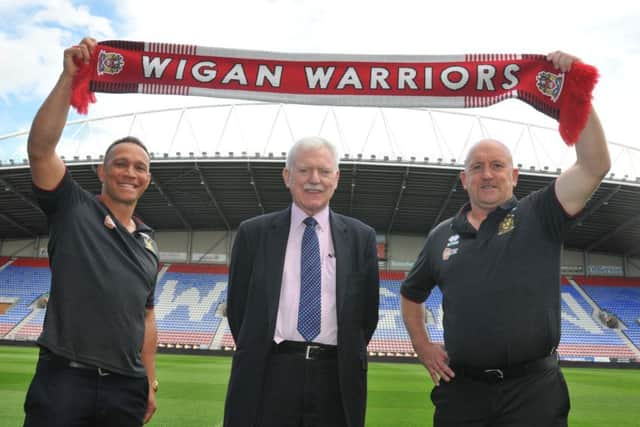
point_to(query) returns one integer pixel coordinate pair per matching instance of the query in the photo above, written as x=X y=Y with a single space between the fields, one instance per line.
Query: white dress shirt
x=287 y=321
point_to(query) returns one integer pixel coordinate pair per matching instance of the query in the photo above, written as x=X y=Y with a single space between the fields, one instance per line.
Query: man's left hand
x=562 y=61
x=151 y=405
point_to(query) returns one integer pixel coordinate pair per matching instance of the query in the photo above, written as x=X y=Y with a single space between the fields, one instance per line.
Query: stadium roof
x=393 y=197
x=216 y=165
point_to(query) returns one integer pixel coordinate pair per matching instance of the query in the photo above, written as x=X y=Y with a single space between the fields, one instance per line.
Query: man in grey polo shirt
x=97 y=348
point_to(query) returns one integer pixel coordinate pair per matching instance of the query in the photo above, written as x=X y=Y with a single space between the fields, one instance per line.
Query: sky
x=33 y=35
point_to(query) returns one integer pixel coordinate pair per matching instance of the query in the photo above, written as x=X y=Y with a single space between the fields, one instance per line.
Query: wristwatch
x=154 y=385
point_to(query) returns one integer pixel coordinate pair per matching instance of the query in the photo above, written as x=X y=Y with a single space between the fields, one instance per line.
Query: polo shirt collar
x=141 y=227
x=461 y=224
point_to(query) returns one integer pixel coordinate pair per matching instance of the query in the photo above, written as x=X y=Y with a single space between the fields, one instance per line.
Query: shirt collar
x=298 y=215
x=509 y=204
x=141 y=226
x=460 y=223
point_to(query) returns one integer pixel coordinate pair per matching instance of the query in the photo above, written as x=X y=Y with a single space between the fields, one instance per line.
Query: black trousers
x=539 y=399
x=301 y=393
x=62 y=396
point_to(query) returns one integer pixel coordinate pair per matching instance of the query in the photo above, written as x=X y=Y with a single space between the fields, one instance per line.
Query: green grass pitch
x=192 y=390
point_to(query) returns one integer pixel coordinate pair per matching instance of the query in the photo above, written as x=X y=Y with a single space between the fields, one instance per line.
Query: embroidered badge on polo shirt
x=452 y=247
x=149 y=243
x=507 y=224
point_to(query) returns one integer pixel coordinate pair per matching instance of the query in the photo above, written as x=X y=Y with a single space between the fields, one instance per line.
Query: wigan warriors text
x=316 y=77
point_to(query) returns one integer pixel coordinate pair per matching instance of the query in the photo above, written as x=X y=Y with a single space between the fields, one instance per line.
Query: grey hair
x=311 y=143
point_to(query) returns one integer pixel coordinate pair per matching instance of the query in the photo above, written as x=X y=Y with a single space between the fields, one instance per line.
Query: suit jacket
x=255 y=279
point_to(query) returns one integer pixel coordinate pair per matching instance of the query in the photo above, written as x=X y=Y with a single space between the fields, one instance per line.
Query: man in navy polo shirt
x=97 y=348
x=497 y=263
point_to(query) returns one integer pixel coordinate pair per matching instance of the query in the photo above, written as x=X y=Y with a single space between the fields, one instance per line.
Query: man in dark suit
x=302 y=305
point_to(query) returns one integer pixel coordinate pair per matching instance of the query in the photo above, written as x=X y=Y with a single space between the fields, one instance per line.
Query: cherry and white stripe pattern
x=178 y=49
x=485 y=101
x=491 y=57
x=160 y=89
x=309 y=309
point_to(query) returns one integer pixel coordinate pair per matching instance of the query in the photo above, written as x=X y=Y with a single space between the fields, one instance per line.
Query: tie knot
x=310 y=221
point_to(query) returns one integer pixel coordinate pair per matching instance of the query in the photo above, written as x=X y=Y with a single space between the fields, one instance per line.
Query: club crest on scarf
x=550 y=84
x=110 y=63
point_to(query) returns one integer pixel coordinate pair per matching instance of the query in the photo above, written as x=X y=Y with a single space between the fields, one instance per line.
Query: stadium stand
x=618 y=296
x=188 y=298
x=22 y=283
x=584 y=337
x=190 y=306
x=390 y=337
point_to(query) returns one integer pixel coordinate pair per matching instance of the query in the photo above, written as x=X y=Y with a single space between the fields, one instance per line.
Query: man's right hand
x=47 y=169
x=436 y=360
x=76 y=55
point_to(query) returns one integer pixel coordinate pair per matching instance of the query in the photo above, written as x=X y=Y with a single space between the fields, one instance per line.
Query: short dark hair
x=126 y=139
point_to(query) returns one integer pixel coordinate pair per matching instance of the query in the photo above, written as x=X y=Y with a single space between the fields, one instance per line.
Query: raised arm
x=47 y=169
x=575 y=186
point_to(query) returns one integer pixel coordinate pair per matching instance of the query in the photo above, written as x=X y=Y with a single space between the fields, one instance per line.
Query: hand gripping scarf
x=451 y=81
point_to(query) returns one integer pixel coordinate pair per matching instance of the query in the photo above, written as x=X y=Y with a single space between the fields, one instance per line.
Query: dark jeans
x=535 y=400
x=62 y=396
x=301 y=393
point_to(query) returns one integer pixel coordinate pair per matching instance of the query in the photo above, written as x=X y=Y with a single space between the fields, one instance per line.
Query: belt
x=77 y=365
x=496 y=375
x=306 y=350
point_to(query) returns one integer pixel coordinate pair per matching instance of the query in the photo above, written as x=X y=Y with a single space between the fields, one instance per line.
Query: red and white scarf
x=445 y=81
